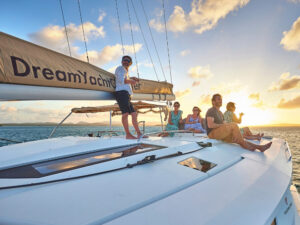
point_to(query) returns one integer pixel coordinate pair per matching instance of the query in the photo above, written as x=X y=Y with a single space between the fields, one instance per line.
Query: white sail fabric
x=24 y=63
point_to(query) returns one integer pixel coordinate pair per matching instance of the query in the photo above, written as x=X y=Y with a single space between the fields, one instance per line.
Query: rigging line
x=117 y=8
x=87 y=56
x=163 y=3
x=137 y=67
x=63 y=16
x=141 y=1
x=144 y=39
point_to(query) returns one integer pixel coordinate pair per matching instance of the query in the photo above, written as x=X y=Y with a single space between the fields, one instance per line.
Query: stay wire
x=144 y=40
x=117 y=9
x=137 y=67
x=86 y=50
x=147 y=19
x=163 y=3
x=63 y=16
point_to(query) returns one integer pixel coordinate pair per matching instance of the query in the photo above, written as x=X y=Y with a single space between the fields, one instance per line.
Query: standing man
x=228 y=132
x=123 y=96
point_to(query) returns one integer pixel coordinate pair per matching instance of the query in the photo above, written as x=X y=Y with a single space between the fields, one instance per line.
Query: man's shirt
x=217 y=115
x=121 y=73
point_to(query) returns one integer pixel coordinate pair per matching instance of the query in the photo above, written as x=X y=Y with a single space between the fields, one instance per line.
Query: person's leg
x=126 y=127
x=261 y=148
x=237 y=138
x=247 y=131
x=135 y=123
x=252 y=137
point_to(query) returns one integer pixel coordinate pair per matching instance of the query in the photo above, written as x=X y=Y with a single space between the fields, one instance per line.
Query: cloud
x=7 y=109
x=140 y=64
x=156 y=23
x=199 y=72
x=180 y=94
x=53 y=34
x=286 y=82
x=177 y=21
x=291 y=38
x=54 y=37
x=110 y=53
x=196 y=83
x=185 y=52
x=289 y=104
x=127 y=27
x=254 y=96
x=205 y=100
x=204 y=15
x=102 y=14
x=225 y=88
x=258 y=104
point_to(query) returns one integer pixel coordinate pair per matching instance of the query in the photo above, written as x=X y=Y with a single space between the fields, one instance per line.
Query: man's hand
x=135 y=79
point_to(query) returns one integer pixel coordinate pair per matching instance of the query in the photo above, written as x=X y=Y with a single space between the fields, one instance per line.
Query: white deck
x=244 y=188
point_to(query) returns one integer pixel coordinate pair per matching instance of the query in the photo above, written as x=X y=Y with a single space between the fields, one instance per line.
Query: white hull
x=243 y=188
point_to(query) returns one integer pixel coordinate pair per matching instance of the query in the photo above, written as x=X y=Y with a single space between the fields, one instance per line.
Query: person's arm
x=200 y=119
x=129 y=81
x=235 y=119
x=170 y=119
x=180 y=120
x=211 y=124
x=121 y=77
x=187 y=121
x=135 y=78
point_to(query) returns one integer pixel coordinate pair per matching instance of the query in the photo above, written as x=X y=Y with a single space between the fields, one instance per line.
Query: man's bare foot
x=249 y=147
x=263 y=148
x=130 y=136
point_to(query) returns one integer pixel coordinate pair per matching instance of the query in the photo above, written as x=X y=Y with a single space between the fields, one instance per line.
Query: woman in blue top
x=175 y=117
x=193 y=121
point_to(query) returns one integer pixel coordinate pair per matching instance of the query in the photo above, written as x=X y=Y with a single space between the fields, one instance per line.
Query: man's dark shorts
x=123 y=99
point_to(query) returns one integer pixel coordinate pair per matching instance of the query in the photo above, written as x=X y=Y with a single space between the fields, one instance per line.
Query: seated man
x=228 y=132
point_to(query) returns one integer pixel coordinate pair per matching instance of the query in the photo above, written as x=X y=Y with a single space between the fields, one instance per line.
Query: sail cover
x=140 y=107
x=24 y=63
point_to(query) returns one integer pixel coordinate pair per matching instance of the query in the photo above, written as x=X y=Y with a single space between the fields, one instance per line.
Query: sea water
x=30 y=133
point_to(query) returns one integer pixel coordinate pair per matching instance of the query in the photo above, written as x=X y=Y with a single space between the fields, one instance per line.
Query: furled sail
x=29 y=71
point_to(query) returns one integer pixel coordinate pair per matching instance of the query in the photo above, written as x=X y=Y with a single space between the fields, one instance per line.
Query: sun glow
x=253 y=115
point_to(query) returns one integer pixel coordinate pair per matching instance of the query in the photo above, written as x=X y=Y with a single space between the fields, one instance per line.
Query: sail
x=24 y=63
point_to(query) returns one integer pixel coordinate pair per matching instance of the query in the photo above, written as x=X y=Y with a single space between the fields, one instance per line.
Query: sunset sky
x=246 y=50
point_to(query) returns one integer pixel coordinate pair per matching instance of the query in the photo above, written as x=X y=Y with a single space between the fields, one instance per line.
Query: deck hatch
x=197 y=164
x=69 y=163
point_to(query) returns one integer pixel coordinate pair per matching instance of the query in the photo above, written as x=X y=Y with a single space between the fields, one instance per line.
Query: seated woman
x=175 y=117
x=193 y=121
x=230 y=116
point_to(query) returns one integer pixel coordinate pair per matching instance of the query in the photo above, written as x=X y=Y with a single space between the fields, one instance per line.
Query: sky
x=246 y=50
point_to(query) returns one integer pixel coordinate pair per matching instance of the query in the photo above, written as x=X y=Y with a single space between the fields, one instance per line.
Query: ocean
x=30 y=133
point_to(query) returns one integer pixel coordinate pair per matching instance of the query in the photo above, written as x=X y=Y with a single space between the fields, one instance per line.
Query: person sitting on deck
x=228 y=132
x=193 y=121
x=175 y=117
x=123 y=96
x=230 y=116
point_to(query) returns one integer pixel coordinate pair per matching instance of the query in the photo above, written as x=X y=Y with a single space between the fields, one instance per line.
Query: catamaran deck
x=233 y=186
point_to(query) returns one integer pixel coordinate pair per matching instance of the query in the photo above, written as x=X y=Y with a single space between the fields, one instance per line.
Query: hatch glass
x=73 y=162
x=197 y=164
